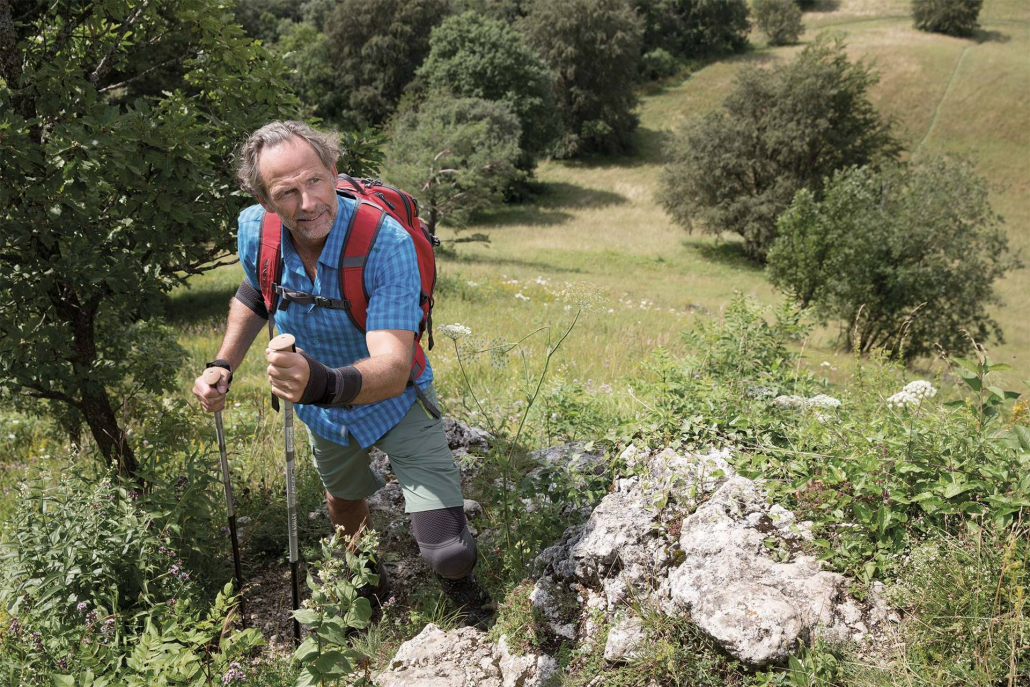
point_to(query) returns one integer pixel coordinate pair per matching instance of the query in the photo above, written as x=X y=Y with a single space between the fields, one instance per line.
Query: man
x=351 y=389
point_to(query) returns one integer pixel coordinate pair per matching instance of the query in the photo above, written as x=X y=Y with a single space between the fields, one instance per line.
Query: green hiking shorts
x=419 y=455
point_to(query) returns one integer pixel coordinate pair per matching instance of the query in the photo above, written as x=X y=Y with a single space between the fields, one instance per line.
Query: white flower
x=793 y=401
x=611 y=310
x=921 y=389
x=825 y=363
x=472 y=283
x=453 y=331
x=10 y=436
x=521 y=296
x=605 y=388
x=912 y=395
x=823 y=401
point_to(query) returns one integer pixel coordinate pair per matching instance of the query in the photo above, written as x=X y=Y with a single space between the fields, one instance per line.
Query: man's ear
x=265 y=204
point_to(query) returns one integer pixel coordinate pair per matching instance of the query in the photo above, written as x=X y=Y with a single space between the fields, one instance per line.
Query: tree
x=376 y=46
x=312 y=76
x=456 y=155
x=904 y=257
x=107 y=201
x=694 y=28
x=261 y=18
x=779 y=130
x=780 y=20
x=952 y=17
x=592 y=48
x=477 y=57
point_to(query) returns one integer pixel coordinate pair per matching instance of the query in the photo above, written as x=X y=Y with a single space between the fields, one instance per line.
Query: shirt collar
x=330 y=255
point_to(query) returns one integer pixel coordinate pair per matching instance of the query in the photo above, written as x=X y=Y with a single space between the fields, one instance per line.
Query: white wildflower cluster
x=646 y=304
x=471 y=283
x=521 y=296
x=583 y=296
x=912 y=395
x=818 y=403
x=791 y=402
x=453 y=331
x=824 y=402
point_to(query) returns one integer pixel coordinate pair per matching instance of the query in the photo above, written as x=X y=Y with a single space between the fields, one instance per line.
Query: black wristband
x=223 y=364
x=330 y=386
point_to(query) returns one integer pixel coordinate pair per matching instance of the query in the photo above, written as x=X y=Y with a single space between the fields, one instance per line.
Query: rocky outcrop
x=464 y=657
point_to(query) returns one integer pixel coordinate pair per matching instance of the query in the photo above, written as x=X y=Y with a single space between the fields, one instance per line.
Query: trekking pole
x=285 y=342
x=211 y=377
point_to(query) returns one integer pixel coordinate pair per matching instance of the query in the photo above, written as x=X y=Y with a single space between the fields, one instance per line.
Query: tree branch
x=105 y=62
x=143 y=73
x=38 y=393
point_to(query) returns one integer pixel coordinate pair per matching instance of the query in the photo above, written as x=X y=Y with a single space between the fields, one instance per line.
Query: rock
x=389 y=500
x=464 y=657
x=460 y=658
x=755 y=607
x=461 y=436
x=571 y=456
x=472 y=509
x=624 y=640
x=547 y=598
x=532 y=670
x=380 y=463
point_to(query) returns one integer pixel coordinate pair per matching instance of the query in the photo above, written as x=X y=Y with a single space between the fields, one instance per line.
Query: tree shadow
x=548 y=205
x=647 y=149
x=198 y=304
x=991 y=36
x=501 y=261
x=823 y=6
x=724 y=252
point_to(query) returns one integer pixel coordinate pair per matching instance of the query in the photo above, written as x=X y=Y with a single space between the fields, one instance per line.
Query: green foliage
x=658 y=64
x=313 y=75
x=779 y=130
x=905 y=258
x=376 y=46
x=325 y=655
x=780 y=20
x=592 y=48
x=109 y=203
x=477 y=57
x=952 y=17
x=261 y=19
x=694 y=28
x=100 y=585
x=456 y=155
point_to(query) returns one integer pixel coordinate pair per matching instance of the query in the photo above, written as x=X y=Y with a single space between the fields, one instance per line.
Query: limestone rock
x=624 y=640
x=532 y=670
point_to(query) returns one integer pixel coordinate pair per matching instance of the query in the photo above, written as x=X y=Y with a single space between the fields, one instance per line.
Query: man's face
x=299 y=188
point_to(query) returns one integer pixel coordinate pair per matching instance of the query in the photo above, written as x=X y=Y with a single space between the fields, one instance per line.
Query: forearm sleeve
x=251 y=298
x=330 y=386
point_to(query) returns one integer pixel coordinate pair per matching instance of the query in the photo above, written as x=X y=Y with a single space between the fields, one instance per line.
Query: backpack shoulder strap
x=269 y=262
x=362 y=232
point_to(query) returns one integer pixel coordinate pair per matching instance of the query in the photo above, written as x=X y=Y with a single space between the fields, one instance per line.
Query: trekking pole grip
x=283 y=342
x=212 y=376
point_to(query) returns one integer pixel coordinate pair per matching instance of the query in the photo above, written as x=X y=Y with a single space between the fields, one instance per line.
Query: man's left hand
x=288 y=373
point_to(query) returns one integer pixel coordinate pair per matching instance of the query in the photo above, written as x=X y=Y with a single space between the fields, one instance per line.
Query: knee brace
x=445 y=542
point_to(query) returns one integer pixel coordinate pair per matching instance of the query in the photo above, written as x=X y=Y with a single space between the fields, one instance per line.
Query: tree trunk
x=104 y=425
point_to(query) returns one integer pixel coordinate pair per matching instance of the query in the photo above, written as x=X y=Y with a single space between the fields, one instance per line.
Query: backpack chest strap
x=287 y=296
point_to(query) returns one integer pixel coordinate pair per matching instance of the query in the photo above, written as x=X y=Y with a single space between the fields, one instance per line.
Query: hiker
x=353 y=389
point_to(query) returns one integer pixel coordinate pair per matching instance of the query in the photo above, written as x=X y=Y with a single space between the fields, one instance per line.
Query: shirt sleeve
x=248 y=236
x=394 y=282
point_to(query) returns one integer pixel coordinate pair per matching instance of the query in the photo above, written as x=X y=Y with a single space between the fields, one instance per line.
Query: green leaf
x=956 y=488
x=967 y=365
x=307 y=616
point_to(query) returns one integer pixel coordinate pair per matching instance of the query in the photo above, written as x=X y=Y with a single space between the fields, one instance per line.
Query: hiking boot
x=379 y=594
x=471 y=600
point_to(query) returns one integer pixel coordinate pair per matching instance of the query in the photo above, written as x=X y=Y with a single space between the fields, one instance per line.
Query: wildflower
x=134 y=494
x=454 y=331
x=912 y=395
x=91 y=619
x=823 y=401
x=605 y=388
x=15 y=627
x=521 y=296
x=62 y=663
x=761 y=391
x=81 y=606
x=236 y=405
x=37 y=640
x=791 y=402
x=234 y=674
x=472 y=283
x=825 y=363
x=108 y=627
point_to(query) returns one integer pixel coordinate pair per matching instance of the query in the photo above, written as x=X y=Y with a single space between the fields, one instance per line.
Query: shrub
x=952 y=17
x=694 y=28
x=779 y=130
x=780 y=20
x=658 y=64
x=476 y=57
x=376 y=46
x=104 y=584
x=905 y=258
x=313 y=76
x=592 y=48
x=456 y=155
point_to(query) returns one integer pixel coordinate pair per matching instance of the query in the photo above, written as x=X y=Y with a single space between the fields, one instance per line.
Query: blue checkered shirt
x=393 y=284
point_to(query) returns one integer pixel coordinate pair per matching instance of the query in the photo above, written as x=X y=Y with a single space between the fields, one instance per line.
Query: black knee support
x=444 y=541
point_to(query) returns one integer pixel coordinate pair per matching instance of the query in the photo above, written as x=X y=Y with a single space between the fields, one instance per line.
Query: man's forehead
x=288 y=158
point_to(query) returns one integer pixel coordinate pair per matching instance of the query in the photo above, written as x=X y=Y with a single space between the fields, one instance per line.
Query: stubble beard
x=316 y=231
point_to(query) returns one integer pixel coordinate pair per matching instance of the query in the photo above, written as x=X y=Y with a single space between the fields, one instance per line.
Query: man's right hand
x=212 y=398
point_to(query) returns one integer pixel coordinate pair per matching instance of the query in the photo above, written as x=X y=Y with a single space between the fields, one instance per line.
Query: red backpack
x=375 y=201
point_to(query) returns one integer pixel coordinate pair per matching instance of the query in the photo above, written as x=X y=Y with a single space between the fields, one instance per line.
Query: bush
x=780 y=20
x=694 y=28
x=376 y=46
x=592 y=48
x=905 y=257
x=779 y=130
x=658 y=64
x=476 y=57
x=456 y=155
x=952 y=17
x=104 y=584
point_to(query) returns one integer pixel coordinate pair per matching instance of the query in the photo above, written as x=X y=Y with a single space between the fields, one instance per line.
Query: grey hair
x=325 y=143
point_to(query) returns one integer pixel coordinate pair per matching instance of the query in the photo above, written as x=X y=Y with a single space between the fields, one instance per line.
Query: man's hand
x=212 y=398
x=288 y=374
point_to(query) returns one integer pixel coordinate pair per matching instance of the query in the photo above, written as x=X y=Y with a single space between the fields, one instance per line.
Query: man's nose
x=308 y=201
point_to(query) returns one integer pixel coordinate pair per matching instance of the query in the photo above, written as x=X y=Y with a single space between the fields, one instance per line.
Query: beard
x=319 y=228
